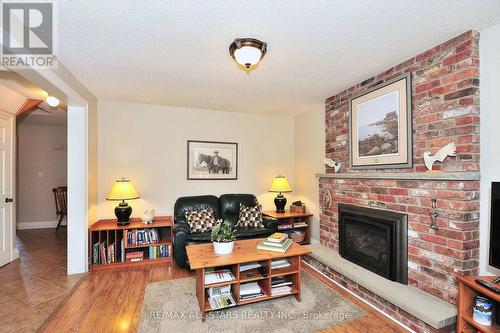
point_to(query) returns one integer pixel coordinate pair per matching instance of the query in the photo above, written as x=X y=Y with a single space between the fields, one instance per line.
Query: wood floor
x=110 y=301
x=32 y=286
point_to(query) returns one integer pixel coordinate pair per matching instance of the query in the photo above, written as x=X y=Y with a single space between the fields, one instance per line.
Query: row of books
x=159 y=251
x=142 y=236
x=102 y=254
x=277 y=242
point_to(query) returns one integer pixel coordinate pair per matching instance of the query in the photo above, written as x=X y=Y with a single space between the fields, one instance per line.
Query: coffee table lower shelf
x=202 y=258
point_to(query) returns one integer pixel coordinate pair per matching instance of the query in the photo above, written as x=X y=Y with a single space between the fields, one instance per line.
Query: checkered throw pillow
x=250 y=217
x=201 y=221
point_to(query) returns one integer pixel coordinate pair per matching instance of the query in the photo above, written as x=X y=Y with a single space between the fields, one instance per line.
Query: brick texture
x=445 y=84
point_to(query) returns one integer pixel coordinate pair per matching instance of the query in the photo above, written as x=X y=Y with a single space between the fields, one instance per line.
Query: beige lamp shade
x=122 y=189
x=280 y=184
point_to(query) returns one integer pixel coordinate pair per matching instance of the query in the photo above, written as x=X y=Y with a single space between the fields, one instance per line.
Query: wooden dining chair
x=61 y=199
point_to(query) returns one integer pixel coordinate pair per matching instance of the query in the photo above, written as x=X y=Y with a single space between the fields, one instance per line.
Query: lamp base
x=123 y=212
x=280 y=202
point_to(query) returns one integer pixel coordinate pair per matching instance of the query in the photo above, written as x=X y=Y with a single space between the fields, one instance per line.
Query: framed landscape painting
x=381 y=126
x=212 y=160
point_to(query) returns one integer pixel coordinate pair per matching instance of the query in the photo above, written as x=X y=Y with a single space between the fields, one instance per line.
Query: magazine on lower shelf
x=221 y=301
x=284 y=290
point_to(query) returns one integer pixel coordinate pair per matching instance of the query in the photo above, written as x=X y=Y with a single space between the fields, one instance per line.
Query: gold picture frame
x=380 y=124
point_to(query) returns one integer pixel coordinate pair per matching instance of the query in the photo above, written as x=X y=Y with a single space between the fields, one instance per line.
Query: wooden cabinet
x=293 y=221
x=468 y=289
x=115 y=241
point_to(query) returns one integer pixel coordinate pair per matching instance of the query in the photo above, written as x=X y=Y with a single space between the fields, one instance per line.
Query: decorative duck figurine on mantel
x=448 y=150
x=148 y=216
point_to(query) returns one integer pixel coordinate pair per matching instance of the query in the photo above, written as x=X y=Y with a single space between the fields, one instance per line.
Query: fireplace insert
x=376 y=240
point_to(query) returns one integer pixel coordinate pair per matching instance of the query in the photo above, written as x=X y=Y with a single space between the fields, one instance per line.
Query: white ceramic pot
x=223 y=248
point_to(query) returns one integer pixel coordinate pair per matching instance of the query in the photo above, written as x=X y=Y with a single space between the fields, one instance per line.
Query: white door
x=6 y=180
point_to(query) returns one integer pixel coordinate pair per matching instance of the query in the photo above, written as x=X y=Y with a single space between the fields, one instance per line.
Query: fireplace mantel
x=445 y=176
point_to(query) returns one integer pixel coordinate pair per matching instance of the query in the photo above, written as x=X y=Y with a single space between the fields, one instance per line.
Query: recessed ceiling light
x=247 y=52
x=52 y=101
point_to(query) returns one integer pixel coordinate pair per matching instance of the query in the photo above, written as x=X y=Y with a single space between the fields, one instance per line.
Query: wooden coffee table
x=202 y=256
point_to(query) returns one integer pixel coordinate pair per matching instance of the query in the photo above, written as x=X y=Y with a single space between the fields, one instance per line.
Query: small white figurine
x=441 y=155
x=148 y=216
x=332 y=164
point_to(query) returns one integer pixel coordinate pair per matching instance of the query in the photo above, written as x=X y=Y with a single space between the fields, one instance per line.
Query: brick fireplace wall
x=445 y=100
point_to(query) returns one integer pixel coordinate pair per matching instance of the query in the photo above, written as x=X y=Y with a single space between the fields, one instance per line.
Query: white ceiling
x=176 y=52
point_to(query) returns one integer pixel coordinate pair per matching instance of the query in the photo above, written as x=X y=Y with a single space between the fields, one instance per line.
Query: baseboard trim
x=361 y=299
x=37 y=225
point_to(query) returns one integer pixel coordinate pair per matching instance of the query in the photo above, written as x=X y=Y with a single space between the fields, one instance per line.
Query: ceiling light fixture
x=247 y=52
x=52 y=101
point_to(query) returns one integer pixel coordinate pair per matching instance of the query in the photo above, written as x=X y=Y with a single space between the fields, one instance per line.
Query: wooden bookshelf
x=468 y=289
x=114 y=237
x=296 y=221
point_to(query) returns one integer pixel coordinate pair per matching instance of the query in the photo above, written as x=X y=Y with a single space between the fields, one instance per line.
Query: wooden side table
x=468 y=289
x=293 y=221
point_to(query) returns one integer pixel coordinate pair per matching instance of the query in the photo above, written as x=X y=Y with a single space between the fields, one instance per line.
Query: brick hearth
x=445 y=84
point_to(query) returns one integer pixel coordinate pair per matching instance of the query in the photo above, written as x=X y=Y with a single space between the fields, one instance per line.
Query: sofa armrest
x=181 y=230
x=181 y=227
x=270 y=222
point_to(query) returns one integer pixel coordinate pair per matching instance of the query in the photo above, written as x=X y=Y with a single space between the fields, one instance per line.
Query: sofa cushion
x=230 y=204
x=201 y=220
x=250 y=217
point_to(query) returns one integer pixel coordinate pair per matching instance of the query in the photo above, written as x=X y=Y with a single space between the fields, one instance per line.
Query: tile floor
x=34 y=285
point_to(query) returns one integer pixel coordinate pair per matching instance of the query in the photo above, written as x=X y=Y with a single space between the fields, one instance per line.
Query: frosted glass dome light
x=247 y=52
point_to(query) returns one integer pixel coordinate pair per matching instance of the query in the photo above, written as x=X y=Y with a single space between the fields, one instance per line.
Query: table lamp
x=123 y=190
x=280 y=185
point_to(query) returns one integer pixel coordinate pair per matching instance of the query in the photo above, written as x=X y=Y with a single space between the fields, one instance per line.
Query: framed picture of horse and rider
x=212 y=160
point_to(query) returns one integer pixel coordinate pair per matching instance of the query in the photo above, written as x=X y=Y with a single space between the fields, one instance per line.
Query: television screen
x=495 y=225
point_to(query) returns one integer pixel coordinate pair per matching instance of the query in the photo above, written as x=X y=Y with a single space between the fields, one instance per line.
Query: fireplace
x=376 y=240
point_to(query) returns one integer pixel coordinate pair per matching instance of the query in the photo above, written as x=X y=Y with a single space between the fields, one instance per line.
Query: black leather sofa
x=225 y=207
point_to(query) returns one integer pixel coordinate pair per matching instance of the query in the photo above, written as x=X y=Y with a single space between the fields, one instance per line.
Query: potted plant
x=223 y=237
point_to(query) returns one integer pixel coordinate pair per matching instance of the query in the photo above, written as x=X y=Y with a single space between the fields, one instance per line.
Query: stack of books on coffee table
x=277 y=242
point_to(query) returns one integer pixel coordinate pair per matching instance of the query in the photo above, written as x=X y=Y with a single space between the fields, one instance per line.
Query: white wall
x=309 y=155
x=490 y=135
x=147 y=144
x=41 y=166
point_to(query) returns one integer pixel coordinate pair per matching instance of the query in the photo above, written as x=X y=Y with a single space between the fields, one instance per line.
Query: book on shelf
x=280 y=263
x=102 y=253
x=282 y=249
x=134 y=256
x=285 y=226
x=122 y=248
x=111 y=253
x=213 y=275
x=95 y=254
